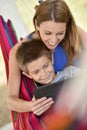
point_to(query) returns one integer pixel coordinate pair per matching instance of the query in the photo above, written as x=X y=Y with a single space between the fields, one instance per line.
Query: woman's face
x=52 y=33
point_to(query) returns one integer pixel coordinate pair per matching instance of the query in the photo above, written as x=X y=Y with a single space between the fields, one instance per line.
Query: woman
x=55 y=25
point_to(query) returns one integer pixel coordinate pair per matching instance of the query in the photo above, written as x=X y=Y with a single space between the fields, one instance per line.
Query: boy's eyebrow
x=38 y=69
x=33 y=71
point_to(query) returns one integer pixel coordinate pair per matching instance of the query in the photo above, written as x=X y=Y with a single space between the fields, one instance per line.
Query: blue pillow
x=60 y=58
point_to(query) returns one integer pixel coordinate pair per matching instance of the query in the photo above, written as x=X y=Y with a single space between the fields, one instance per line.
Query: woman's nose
x=54 y=40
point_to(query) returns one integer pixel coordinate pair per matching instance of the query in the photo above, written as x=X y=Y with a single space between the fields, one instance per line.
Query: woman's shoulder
x=14 y=48
x=31 y=35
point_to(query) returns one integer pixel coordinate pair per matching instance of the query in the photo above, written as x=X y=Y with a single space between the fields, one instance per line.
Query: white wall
x=9 y=11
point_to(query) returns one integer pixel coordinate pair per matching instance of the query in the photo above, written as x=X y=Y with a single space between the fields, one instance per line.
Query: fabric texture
x=21 y=121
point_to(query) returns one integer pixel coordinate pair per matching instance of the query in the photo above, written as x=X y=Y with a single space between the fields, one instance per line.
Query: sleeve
x=29 y=36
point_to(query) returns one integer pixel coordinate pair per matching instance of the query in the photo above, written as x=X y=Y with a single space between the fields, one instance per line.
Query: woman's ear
x=36 y=25
x=26 y=75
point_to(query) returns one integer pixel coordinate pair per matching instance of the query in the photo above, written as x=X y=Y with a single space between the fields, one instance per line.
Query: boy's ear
x=24 y=73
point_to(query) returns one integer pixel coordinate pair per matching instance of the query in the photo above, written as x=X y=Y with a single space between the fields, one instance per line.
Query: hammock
x=21 y=121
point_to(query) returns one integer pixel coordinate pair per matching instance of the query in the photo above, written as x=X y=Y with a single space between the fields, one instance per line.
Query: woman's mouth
x=51 y=45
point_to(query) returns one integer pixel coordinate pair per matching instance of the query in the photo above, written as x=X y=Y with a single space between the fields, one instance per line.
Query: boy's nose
x=43 y=72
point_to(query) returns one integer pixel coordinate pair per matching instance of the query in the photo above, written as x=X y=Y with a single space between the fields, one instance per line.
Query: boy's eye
x=45 y=66
x=36 y=72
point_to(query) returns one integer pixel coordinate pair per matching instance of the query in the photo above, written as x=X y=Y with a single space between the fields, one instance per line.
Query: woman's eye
x=47 y=33
x=60 y=33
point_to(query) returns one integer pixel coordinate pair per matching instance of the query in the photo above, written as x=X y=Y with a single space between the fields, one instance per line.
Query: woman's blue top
x=60 y=57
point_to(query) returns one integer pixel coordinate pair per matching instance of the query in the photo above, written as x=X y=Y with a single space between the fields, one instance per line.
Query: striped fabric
x=21 y=121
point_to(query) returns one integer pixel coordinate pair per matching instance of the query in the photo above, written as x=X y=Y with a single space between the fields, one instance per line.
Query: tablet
x=49 y=90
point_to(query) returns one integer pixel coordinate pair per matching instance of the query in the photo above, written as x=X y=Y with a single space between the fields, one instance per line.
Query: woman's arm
x=14 y=79
x=83 y=36
x=14 y=102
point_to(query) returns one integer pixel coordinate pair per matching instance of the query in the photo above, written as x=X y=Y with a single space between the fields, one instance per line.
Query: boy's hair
x=29 y=51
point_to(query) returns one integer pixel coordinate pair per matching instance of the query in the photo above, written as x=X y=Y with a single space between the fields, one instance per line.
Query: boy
x=35 y=60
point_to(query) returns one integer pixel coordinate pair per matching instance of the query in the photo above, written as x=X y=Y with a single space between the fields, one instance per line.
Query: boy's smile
x=41 y=70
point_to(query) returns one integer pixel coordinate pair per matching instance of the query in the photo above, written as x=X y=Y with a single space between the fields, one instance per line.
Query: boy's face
x=41 y=70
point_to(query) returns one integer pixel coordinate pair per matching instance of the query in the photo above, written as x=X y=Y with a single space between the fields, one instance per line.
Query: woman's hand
x=41 y=105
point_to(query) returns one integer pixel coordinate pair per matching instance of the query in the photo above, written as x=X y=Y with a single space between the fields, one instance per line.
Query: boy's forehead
x=38 y=63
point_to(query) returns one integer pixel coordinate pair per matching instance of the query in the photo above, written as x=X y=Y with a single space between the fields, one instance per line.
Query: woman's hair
x=58 y=11
x=29 y=51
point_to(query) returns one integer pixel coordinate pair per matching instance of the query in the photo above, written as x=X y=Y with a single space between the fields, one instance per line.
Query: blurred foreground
x=25 y=10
